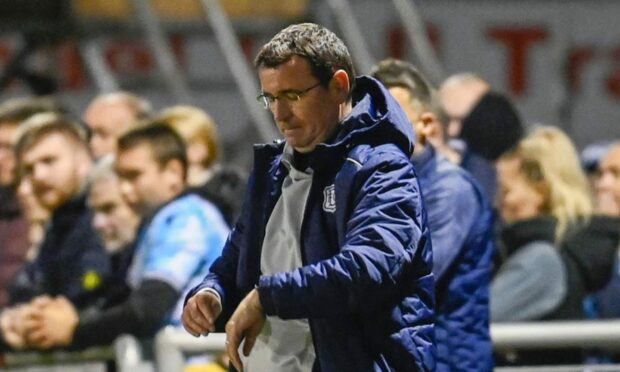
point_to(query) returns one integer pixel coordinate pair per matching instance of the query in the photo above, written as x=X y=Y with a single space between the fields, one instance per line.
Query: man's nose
x=127 y=191
x=39 y=172
x=99 y=221
x=281 y=110
x=604 y=181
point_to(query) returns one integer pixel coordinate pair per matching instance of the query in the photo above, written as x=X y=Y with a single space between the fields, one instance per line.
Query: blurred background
x=558 y=60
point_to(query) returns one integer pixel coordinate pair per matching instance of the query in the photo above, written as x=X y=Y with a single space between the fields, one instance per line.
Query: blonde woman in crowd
x=554 y=255
x=222 y=185
x=199 y=132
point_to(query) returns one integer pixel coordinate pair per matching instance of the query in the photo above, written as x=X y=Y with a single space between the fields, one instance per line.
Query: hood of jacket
x=376 y=118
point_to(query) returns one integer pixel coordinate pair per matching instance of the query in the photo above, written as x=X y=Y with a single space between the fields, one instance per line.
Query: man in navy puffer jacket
x=460 y=222
x=329 y=267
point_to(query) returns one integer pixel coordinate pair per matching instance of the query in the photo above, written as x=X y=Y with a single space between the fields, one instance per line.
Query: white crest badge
x=329 y=199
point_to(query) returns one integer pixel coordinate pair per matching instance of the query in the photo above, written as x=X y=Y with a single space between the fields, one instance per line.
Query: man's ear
x=175 y=171
x=340 y=85
x=428 y=125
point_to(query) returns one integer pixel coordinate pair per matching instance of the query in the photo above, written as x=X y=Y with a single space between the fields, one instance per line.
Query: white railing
x=172 y=345
x=594 y=333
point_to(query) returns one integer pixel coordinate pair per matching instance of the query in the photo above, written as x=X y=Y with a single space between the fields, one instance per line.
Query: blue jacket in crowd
x=367 y=284
x=460 y=221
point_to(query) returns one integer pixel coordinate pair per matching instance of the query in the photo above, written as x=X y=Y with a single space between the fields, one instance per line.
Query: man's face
x=457 y=100
x=607 y=184
x=107 y=122
x=115 y=222
x=55 y=166
x=413 y=110
x=312 y=119
x=145 y=185
x=7 y=155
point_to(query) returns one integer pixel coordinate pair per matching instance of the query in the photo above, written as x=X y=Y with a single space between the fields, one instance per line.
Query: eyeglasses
x=266 y=99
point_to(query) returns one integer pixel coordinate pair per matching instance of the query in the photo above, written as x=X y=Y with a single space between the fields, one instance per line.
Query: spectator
x=483 y=123
x=179 y=238
x=329 y=265
x=544 y=200
x=117 y=224
x=460 y=222
x=459 y=94
x=14 y=220
x=607 y=191
x=53 y=157
x=109 y=116
x=222 y=185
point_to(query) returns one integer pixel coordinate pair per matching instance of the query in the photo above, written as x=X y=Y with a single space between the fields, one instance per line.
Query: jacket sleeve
x=383 y=250
x=223 y=272
x=142 y=314
x=452 y=212
x=522 y=289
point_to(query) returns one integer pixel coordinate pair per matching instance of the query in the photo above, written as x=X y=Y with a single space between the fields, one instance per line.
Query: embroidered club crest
x=329 y=199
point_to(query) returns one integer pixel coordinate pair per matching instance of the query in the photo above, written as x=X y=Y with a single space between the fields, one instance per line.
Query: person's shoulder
x=185 y=207
x=538 y=253
x=373 y=155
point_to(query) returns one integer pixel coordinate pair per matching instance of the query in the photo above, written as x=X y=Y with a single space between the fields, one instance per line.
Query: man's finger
x=32 y=324
x=198 y=315
x=248 y=344
x=207 y=307
x=192 y=327
x=232 y=346
x=36 y=337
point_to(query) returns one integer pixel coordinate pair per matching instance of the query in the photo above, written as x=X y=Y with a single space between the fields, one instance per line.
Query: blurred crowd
x=109 y=216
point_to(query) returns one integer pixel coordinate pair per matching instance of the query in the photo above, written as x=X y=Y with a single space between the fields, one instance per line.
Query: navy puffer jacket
x=367 y=284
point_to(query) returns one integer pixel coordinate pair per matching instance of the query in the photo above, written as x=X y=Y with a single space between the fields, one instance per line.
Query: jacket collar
x=523 y=232
x=374 y=119
x=425 y=161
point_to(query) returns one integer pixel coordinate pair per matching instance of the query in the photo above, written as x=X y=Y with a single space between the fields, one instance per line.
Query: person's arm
x=142 y=314
x=453 y=211
x=222 y=274
x=529 y=285
x=383 y=252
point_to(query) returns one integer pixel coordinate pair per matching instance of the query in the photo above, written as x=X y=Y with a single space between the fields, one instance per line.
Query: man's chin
x=50 y=202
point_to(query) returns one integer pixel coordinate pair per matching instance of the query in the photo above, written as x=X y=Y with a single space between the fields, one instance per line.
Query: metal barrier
x=593 y=333
x=172 y=343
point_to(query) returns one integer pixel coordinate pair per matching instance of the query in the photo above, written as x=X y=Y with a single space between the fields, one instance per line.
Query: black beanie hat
x=492 y=127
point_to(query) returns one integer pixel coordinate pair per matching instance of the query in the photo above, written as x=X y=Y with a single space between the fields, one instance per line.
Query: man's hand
x=200 y=313
x=12 y=323
x=52 y=324
x=246 y=323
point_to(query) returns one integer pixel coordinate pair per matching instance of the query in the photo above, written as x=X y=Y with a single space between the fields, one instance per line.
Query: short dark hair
x=44 y=124
x=17 y=110
x=397 y=73
x=325 y=52
x=165 y=143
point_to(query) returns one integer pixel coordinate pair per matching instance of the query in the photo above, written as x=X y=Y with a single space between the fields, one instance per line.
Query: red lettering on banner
x=578 y=58
x=74 y=75
x=247 y=46
x=397 y=40
x=612 y=82
x=127 y=57
x=5 y=52
x=518 y=40
x=177 y=43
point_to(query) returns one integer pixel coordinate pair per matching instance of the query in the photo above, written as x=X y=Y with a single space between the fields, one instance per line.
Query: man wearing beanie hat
x=488 y=127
